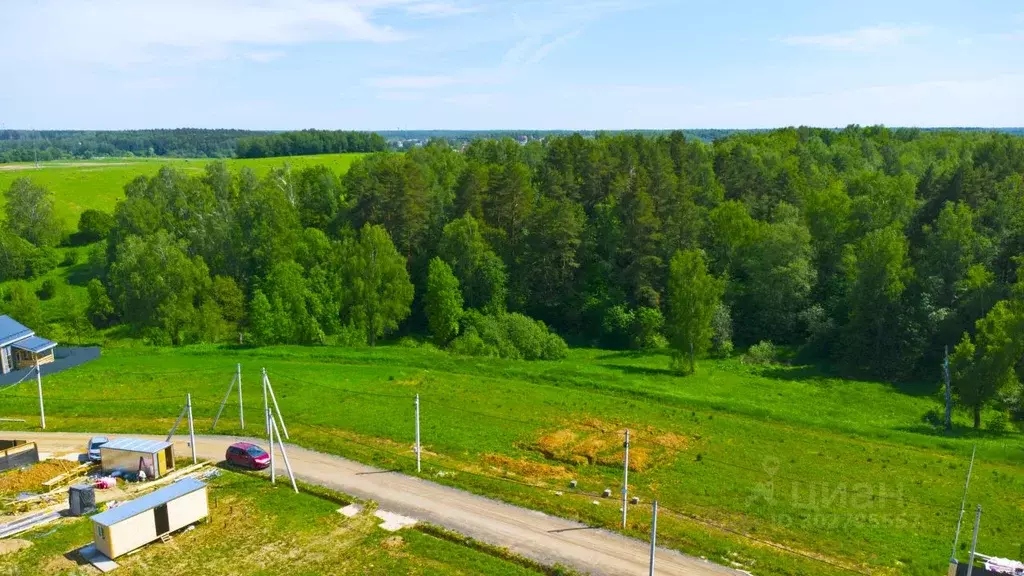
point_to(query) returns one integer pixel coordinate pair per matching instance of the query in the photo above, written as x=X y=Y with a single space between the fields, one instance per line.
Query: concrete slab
x=350 y=510
x=97 y=558
x=393 y=522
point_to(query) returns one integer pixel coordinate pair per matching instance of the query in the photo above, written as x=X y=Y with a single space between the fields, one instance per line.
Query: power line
x=761 y=540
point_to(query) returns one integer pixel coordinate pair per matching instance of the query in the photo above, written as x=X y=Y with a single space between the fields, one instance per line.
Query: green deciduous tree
x=376 y=285
x=443 y=302
x=100 y=310
x=158 y=289
x=30 y=213
x=693 y=295
x=481 y=273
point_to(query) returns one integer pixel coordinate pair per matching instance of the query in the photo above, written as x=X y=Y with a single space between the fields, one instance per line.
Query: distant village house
x=21 y=348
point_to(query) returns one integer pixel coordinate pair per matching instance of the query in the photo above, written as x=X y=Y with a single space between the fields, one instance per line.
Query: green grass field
x=99 y=184
x=780 y=470
x=257 y=528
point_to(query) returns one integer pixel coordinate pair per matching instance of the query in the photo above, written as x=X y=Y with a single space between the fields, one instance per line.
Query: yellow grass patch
x=526 y=468
x=592 y=441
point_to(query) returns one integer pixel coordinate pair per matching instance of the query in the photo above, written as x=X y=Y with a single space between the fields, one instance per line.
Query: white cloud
x=116 y=32
x=533 y=49
x=863 y=39
x=440 y=9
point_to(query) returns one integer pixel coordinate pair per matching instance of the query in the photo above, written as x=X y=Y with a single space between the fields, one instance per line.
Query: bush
x=721 y=331
x=41 y=261
x=999 y=423
x=93 y=226
x=638 y=329
x=70 y=258
x=761 y=353
x=513 y=336
x=49 y=289
x=646 y=329
x=471 y=344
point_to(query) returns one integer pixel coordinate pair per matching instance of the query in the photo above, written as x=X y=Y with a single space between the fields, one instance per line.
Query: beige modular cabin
x=130 y=455
x=143 y=520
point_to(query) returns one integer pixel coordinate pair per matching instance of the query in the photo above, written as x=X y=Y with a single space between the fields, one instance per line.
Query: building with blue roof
x=21 y=348
x=143 y=520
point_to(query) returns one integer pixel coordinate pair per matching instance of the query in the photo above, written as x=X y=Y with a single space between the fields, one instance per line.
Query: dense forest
x=868 y=249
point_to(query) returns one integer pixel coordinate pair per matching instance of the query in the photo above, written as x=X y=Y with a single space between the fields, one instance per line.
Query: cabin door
x=163 y=524
x=5 y=360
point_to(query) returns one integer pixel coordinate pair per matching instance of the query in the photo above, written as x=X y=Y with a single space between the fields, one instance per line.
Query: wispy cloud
x=860 y=40
x=117 y=32
x=441 y=9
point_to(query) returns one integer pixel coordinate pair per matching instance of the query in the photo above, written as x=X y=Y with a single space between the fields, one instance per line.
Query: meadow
x=776 y=469
x=256 y=528
x=99 y=184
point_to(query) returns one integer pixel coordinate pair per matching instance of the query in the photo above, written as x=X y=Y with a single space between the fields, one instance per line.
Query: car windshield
x=97 y=442
x=255 y=451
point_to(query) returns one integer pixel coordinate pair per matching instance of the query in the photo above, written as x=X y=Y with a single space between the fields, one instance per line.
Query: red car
x=247 y=455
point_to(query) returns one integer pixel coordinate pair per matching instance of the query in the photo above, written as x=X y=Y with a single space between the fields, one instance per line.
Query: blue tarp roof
x=136 y=445
x=148 y=502
x=34 y=344
x=11 y=330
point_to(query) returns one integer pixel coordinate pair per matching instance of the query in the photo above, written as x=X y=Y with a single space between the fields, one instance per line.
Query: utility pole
x=654 y=534
x=625 y=478
x=270 y=437
x=191 y=427
x=273 y=398
x=224 y=402
x=963 y=504
x=266 y=409
x=418 y=447
x=287 y=465
x=241 y=410
x=974 y=541
x=39 y=385
x=949 y=391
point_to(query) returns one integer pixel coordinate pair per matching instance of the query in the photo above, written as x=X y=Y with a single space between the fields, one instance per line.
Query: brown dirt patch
x=526 y=468
x=32 y=478
x=13 y=545
x=392 y=542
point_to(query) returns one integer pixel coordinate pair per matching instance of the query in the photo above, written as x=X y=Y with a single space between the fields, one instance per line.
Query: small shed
x=131 y=455
x=143 y=520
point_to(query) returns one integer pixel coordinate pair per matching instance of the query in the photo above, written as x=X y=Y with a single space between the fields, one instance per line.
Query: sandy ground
x=533 y=534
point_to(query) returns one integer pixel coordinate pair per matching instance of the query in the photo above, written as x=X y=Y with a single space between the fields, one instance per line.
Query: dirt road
x=532 y=534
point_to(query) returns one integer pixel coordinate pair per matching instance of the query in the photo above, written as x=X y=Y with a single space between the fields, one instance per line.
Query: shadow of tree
x=827 y=376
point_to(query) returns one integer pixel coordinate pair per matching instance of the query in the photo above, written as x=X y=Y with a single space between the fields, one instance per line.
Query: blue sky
x=490 y=64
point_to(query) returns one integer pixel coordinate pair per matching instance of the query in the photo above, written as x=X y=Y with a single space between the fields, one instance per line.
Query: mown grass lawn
x=744 y=460
x=257 y=528
x=98 y=184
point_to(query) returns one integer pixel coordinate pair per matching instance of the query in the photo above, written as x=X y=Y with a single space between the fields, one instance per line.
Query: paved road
x=532 y=534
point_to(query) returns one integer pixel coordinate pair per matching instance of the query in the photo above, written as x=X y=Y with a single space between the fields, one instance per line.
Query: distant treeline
x=309 y=142
x=29 y=145
x=43 y=145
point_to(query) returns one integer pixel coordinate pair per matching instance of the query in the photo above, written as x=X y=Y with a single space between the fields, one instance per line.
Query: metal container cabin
x=134 y=524
x=130 y=455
